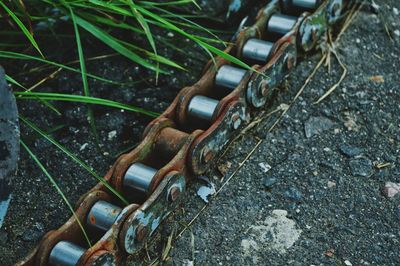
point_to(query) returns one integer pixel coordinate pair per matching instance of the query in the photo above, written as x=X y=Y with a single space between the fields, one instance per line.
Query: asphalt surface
x=312 y=193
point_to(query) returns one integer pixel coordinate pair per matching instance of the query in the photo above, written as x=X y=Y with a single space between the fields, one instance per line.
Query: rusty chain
x=185 y=140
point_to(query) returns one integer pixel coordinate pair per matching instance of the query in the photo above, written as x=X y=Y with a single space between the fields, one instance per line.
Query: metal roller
x=257 y=50
x=202 y=107
x=103 y=215
x=229 y=76
x=65 y=254
x=305 y=4
x=281 y=24
x=300 y=5
x=139 y=176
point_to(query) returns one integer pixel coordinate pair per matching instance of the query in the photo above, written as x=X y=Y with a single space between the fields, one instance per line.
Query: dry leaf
x=377 y=78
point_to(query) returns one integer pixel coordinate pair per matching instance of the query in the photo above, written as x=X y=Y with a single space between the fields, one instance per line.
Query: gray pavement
x=313 y=191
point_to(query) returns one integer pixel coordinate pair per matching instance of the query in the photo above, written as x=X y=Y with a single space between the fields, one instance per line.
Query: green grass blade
x=114 y=44
x=122 y=25
x=19 y=56
x=82 y=99
x=191 y=24
x=74 y=158
x=53 y=182
x=155 y=57
x=84 y=76
x=170 y=26
x=13 y=81
x=144 y=26
x=22 y=27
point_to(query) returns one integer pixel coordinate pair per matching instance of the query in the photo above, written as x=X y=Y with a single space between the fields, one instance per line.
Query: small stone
x=316 y=125
x=397 y=33
x=375 y=6
x=331 y=184
x=279 y=213
x=330 y=252
x=361 y=166
x=268 y=182
x=83 y=146
x=207 y=190
x=391 y=189
x=293 y=194
x=395 y=11
x=265 y=167
x=170 y=34
x=350 y=151
x=112 y=134
x=348 y=263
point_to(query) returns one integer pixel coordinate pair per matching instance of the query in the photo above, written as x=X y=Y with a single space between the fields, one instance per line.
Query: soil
x=318 y=174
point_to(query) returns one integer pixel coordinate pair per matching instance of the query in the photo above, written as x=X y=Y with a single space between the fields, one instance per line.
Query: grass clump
x=126 y=27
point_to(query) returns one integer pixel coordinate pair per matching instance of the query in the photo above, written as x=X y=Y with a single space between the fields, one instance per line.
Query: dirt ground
x=310 y=194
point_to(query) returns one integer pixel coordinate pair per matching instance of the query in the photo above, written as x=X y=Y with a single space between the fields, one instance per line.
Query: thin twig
x=353 y=12
x=332 y=49
x=333 y=88
x=147 y=252
x=51 y=76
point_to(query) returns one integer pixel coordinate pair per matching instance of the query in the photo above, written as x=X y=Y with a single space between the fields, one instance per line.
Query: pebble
x=375 y=6
x=187 y=262
x=316 y=125
x=361 y=166
x=265 y=167
x=395 y=11
x=293 y=194
x=331 y=184
x=268 y=182
x=207 y=190
x=348 y=263
x=397 y=33
x=112 y=134
x=83 y=146
x=350 y=151
x=391 y=189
